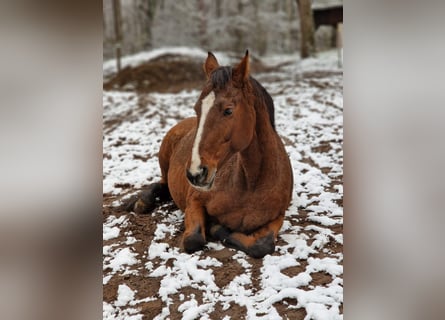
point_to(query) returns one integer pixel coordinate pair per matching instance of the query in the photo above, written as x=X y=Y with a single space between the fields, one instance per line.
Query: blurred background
x=145 y=41
x=265 y=27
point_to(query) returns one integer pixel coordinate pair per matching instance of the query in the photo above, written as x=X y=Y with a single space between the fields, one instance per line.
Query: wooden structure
x=327 y=15
x=330 y=12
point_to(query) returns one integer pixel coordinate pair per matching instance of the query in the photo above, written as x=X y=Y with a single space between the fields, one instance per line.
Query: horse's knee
x=194 y=241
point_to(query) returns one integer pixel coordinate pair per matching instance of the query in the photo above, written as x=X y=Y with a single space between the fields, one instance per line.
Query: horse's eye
x=228 y=111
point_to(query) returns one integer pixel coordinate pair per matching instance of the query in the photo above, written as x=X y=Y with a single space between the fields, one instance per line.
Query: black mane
x=263 y=94
x=221 y=76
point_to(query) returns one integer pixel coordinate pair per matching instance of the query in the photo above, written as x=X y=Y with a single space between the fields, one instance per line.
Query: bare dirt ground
x=309 y=249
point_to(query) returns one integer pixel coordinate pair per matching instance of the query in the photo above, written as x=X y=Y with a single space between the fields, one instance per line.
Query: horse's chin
x=203 y=188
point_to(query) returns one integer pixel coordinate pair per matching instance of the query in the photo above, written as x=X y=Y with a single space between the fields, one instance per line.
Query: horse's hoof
x=146 y=200
x=141 y=207
x=128 y=205
x=263 y=246
x=194 y=242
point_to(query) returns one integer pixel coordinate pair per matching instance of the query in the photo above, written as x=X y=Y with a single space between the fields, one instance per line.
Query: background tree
x=117 y=31
x=307 y=40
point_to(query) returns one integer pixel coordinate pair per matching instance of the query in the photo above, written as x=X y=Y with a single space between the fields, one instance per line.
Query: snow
x=326 y=264
x=110 y=312
x=124 y=295
x=161 y=230
x=119 y=309
x=191 y=310
x=110 y=233
x=309 y=118
x=121 y=258
x=106 y=279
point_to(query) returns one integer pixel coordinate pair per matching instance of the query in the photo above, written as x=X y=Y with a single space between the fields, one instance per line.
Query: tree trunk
x=146 y=10
x=117 y=32
x=202 y=24
x=151 y=12
x=260 y=34
x=239 y=34
x=218 y=8
x=307 y=43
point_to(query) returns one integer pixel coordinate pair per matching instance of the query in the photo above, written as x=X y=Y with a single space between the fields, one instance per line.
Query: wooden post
x=117 y=32
x=340 y=44
x=307 y=45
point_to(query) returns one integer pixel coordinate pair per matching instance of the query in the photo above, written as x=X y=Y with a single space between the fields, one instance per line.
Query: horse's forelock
x=220 y=77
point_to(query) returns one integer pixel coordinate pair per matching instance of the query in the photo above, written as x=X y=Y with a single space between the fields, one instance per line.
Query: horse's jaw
x=202 y=188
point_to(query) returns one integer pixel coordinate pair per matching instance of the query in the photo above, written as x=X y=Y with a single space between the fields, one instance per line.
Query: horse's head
x=226 y=120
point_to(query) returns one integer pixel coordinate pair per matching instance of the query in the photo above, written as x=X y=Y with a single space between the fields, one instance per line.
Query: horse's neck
x=256 y=157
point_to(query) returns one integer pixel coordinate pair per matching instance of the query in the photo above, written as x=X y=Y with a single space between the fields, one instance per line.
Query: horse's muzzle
x=201 y=179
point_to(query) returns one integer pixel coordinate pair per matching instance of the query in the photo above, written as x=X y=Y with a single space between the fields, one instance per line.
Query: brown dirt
x=287 y=309
x=158 y=76
x=167 y=73
x=235 y=311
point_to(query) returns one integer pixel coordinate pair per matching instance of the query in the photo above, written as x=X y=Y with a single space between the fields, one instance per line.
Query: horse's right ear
x=241 y=71
x=210 y=64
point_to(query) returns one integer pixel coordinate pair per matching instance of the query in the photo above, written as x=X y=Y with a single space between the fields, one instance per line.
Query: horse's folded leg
x=147 y=199
x=261 y=247
x=256 y=248
x=259 y=243
x=194 y=241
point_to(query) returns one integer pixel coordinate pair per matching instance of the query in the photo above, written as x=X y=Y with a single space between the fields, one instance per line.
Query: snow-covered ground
x=302 y=279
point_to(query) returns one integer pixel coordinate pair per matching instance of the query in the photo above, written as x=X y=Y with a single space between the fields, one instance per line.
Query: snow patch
x=124 y=295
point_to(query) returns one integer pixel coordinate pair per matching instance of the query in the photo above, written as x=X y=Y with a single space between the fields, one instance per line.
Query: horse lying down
x=226 y=168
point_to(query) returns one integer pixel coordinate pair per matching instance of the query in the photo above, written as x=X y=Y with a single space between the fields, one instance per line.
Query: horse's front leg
x=256 y=244
x=194 y=235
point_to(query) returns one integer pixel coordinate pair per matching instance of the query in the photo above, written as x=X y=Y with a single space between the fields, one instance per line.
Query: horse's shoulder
x=186 y=124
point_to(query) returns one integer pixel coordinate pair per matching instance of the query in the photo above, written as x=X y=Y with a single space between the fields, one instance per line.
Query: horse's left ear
x=210 y=64
x=241 y=71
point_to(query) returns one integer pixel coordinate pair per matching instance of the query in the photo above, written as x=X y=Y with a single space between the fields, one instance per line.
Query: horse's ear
x=210 y=64
x=241 y=71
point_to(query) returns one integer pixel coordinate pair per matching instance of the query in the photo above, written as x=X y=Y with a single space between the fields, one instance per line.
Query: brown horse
x=227 y=168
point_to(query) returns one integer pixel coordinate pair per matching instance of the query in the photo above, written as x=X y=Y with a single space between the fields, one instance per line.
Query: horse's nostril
x=204 y=171
x=199 y=178
x=190 y=176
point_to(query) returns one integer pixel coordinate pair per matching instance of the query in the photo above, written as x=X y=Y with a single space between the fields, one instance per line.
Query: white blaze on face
x=206 y=105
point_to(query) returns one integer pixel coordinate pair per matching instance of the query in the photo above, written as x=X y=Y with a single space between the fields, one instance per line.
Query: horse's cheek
x=243 y=133
x=241 y=139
